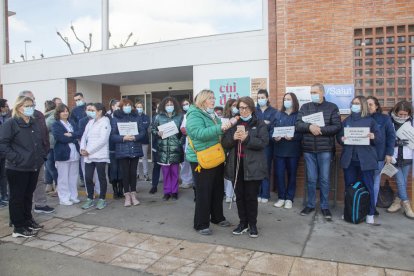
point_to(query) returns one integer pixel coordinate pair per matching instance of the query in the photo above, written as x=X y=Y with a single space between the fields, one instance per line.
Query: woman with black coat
x=246 y=142
x=21 y=145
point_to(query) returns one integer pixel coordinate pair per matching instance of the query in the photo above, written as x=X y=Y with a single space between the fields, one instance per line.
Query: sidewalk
x=156 y=237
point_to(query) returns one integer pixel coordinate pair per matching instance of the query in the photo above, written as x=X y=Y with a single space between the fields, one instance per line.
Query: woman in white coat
x=95 y=150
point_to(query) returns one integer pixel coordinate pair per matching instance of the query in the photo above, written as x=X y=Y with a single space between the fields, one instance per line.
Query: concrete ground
x=282 y=232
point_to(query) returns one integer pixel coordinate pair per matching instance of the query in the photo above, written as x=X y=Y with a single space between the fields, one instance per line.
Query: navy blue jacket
x=386 y=127
x=127 y=149
x=365 y=154
x=78 y=113
x=283 y=147
x=62 y=149
x=268 y=115
x=146 y=123
x=81 y=126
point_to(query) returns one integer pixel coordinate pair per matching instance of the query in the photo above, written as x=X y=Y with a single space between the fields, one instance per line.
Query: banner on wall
x=232 y=88
x=341 y=95
x=257 y=84
x=301 y=92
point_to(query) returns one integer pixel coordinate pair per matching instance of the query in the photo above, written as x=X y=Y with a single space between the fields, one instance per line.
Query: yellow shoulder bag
x=210 y=157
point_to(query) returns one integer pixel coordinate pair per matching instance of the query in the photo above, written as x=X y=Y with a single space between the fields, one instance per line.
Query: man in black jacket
x=318 y=146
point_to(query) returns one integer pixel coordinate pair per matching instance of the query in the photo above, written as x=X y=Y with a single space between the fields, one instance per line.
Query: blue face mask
x=28 y=111
x=262 y=102
x=315 y=98
x=246 y=118
x=186 y=107
x=234 y=110
x=210 y=110
x=91 y=114
x=80 y=103
x=356 y=108
x=127 y=109
x=140 y=110
x=287 y=104
x=169 y=109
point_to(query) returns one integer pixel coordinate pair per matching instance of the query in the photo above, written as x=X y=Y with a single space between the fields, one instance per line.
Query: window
x=382 y=57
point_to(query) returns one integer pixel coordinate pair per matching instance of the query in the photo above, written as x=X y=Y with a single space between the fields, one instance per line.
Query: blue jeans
x=264 y=191
x=289 y=165
x=51 y=173
x=377 y=180
x=401 y=179
x=318 y=167
x=353 y=173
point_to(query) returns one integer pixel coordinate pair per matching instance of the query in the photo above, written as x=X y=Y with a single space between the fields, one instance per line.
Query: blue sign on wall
x=341 y=95
x=225 y=89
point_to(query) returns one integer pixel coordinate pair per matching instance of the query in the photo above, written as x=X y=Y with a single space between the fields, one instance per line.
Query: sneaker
x=186 y=186
x=66 y=203
x=43 y=209
x=88 y=204
x=224 y=223
x=5 y=199
x=306 y=211
x=166 y=197
x=146 y=177
x=205 y=232
x=369 y=219
x=153 y=190
x=228 y=199
x=3 y=204
x=23 y=232
x=49 y=188
x=240 y=229
x=265 y=200
x=101 y=204
x=33 y=225
x=259 y=199
x=326 y=214
x=253 y=231
x=288 y=204
x=75 y=200
x=174 y=196
x=279 y=204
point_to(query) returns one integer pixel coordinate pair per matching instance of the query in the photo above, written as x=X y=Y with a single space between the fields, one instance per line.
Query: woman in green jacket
x=204 y=129
x=170 y=150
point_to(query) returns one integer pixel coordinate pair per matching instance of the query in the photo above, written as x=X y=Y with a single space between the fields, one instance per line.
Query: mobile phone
x=241 y=128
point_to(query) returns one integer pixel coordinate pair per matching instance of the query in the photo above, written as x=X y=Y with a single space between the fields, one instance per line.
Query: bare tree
x=66 y=41
x=85 y=48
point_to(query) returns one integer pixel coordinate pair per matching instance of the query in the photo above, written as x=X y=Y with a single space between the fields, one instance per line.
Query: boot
x=127 y=199
x=407 y=209
x=134 y=199
x=395 y=206
x=120 y=189
x=115 y=188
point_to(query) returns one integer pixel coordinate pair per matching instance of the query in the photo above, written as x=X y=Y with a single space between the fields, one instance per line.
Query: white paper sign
x=406 y=131
x=284 y=131
x=168 y=129
x=356 y=135
x=224 y=120
x=130 y=128
x=315 y=118
x=389 y=170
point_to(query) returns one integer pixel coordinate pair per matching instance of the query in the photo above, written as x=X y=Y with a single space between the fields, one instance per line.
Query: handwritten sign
x=389 y=170
x=130 y=128
x=406 y=132
x=284 y=131
x=356 y=135
x=315 y=119
x=168 y=129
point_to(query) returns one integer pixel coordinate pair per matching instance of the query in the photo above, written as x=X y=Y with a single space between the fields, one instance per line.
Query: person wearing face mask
x=360 y=161
x=246 y=163
x=385 y=149
x=287 y=152
x=170 y=150
x=128 y=148
x=4 y=197
x=403 y=156
x=95 y=151
x=318 y=145
x=266 y=113
x=185 y=169
x=145 y=142
x=21 y=144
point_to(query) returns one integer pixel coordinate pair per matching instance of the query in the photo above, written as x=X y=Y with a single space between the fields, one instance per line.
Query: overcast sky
x=149 y=21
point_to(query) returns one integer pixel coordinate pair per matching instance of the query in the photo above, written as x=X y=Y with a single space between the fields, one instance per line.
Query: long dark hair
x=376 y=102
x=295 y=102
x=403 y=106
x=59 y=109
x=100 y=107
x=161 y=107
x=227 y=108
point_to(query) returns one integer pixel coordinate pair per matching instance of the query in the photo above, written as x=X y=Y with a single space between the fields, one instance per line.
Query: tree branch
x=66 y=42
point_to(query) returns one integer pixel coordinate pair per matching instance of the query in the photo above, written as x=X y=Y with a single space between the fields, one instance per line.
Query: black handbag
x=385 y=195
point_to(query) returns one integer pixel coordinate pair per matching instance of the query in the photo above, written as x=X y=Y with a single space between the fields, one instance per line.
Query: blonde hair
x=202 y=97
x=19 y=103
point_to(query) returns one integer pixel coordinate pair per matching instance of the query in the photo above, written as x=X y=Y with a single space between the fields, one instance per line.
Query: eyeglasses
x=242 y=108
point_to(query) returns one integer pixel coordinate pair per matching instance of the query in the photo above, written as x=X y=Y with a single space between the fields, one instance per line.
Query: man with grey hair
x=318 y=146
x=39 y=195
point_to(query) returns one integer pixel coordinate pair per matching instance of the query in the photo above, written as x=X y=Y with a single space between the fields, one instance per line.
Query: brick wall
x=71 y=88
x=110 y=92
x=312 y=41
x=1 y=90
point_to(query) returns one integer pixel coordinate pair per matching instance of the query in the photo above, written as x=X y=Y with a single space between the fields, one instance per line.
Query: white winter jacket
x=95 y=140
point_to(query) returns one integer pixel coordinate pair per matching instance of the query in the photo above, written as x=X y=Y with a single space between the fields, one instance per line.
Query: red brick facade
x=71 y=89
x=312 y=41
x=110 y=92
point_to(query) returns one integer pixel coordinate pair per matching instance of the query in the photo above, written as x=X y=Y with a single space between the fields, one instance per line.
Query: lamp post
x=25 y=48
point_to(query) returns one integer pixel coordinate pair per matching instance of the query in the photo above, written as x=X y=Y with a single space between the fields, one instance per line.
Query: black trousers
x=209 y=185
x=129 y=173
x=246 y=198
x=89 y=172
x=22 y=186
x=3 y=179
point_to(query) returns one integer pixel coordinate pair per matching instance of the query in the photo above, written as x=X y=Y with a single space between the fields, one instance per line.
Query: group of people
x=79 y=144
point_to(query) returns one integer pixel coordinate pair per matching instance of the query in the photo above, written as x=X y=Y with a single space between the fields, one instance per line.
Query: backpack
x=357 y=203
x=385 y=195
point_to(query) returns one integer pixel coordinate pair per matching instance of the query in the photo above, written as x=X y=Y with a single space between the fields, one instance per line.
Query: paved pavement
x=156 y=237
